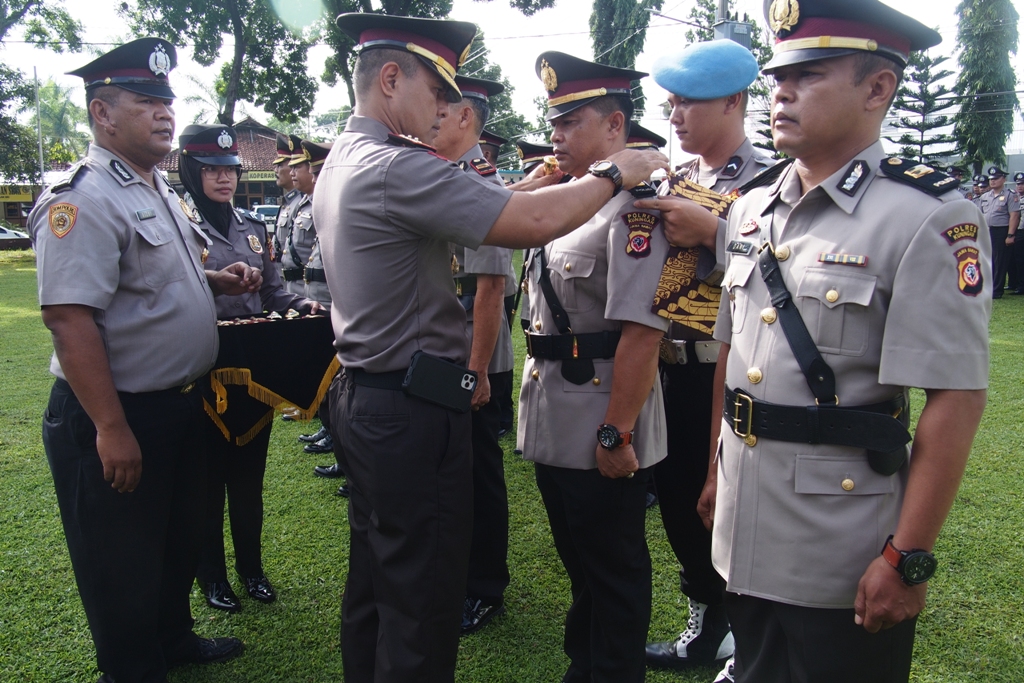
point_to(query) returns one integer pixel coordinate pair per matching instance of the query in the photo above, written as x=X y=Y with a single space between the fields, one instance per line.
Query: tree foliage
x=268 y=59
x=46 y=24
x=923 y=98
x=64 y=123
x=987 y=36
x=618 y=29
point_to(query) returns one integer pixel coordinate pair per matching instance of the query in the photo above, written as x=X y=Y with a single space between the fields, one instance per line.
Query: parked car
x=10 y=234
x=267 y=211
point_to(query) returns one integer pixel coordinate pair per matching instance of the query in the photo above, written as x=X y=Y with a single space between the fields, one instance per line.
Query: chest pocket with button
x=159 y=260
x=735 y=283
x=569 y=273
x=834 y=306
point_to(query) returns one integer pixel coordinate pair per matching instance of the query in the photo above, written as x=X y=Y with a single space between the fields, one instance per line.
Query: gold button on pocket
x=847 y=484
x=769 y=315
x=568 y=267
x=832 y=296
x=537 y=325
x=782 y=253
x=597 y=381
x=754 y=375
x=535 y=374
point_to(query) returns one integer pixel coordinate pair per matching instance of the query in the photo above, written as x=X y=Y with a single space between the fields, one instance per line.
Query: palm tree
x=63 y=123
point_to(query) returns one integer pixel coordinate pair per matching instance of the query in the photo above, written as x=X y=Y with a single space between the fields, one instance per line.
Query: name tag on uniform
x=740 y=247
x=843 y=259
x=145 y=214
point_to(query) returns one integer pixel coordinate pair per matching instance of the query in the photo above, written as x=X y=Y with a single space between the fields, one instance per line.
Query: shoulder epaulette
x=245 y=213
x=765 y=177
x=482 y=166
x=406 y=141
x=921 y=176
x=644 y=191
x=68 y=180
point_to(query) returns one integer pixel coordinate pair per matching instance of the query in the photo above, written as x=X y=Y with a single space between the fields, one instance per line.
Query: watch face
x=919 y=567
x=602 y=166
x=608 y=437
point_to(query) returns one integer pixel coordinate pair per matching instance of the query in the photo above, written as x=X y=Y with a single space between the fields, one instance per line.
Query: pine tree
x=923 y=97
x=987 y=36
x=618 y=29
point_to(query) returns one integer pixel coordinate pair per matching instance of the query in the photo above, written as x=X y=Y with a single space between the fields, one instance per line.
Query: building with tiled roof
x=257 y=148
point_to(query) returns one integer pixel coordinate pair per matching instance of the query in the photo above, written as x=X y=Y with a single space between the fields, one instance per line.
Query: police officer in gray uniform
x=707 y=84
x=313 y=273
x=1001 y=207
x=480 y=281
x=591 y=415
x=386 y=216
x=298 y=246
x=129 y=304
x=286 y=144
x=1017 y=250
x=851 y=278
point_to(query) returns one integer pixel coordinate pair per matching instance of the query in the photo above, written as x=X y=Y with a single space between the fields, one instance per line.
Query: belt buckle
x=529 y=344
x=736 y=419
x=188 y=387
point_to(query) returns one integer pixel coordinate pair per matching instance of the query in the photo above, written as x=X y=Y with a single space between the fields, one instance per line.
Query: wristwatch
x=607 y=169
x=915 y=566
x=609 y=437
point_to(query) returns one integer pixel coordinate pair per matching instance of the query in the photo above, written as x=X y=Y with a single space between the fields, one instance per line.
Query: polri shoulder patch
x=67 y=181
x=406 y=141
x=62 y=218
x=483 y=167
x=964 y=231
x=921 y=176
x=640 y=224
x=970 y=280
x=644 y=191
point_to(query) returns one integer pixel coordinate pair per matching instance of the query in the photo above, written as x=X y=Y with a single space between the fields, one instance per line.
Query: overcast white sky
x=514 y=42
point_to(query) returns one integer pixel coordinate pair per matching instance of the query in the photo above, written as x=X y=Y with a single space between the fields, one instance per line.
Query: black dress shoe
x=651 y=501
x=208 y=651
x=259 y=588
x=329 y=471
x=313 y=438
x=220 y=596
x=478 y=613
x=342 y=491
x=324 y=445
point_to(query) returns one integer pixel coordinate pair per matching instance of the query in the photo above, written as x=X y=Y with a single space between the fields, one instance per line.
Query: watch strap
x=892 y=555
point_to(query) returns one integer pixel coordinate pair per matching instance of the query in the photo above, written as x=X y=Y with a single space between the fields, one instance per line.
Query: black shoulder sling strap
x=576 y=370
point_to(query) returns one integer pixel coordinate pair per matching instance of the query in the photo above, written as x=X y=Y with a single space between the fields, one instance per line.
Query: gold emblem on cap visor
x=784 y=15
x=291 y=145
x=548 y=76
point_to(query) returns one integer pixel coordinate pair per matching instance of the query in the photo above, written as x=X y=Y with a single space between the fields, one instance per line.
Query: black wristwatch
x=606 y=169
x=609 y=437
x=915 y=566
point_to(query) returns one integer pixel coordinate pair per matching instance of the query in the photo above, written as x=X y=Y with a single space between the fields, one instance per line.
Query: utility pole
x=39 y=125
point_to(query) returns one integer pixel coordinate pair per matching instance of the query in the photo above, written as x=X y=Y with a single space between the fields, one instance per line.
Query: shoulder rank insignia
x=640 y=224
x=406 y=141
x=921 y=176
x=732 y=167
x=970 y=279
x=254 y=244
x=964 y=231
x=855 y=176
x=644 y=191
x=62 y=218
x=68 y=180
x=122 y=172
x=483 y=167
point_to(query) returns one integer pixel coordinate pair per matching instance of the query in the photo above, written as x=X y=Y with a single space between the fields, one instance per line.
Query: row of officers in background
x=744 y=334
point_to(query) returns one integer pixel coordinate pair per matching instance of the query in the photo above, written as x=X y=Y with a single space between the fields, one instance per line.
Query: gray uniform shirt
x=299 y=245
x=997 y=206
x=247 y=241
x=915 y=314
x=387 y=209
x=113 y=243
x=283 y=222
x=486 y=260
x=316 y=290
x=601 y=279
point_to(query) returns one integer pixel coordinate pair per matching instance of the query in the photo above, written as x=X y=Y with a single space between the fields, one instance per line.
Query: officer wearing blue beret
x=708 y=85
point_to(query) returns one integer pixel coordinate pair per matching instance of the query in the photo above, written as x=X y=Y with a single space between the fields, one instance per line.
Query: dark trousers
x=488 y=554
x=780 y=643
x=410 y=473
x=598 y=528
x=236 y=471
x=324 y=413
x=504 y=398
x=680 y=476
x=1000 y=257
x=1016 y=262
x=134 y=554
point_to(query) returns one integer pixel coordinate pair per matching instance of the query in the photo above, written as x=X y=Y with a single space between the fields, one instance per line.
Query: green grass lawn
x=971 y=630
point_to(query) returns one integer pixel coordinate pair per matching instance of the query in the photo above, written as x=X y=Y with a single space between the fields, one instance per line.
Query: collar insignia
x=855 y=176
x=732 y=167
x=120 y=170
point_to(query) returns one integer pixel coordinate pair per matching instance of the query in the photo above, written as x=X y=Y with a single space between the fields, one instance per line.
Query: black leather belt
x=875 y=427
x=291 y=274
x=377 y=380
x=465 y=285
x=314 y=275
x=569 y=346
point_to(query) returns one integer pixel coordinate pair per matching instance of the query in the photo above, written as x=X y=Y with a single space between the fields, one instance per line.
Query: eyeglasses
x=214 y=172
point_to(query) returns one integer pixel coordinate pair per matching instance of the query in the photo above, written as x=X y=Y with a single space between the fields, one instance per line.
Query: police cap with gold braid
x=141 y=66
x=808 y=30
x=213 y=145
x=478 y=88
x=532 y=154
x=442 y=45
x=572 y=82
x=493 y=139
x=641 y=138
x=313 y=152
x=286 y=146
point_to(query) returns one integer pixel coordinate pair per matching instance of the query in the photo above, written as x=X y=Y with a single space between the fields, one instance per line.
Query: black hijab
x=217 y=214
